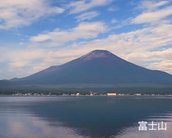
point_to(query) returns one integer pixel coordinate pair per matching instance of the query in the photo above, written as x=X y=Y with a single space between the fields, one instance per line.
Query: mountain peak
x=105 y=52
x=98 y=67
x=97 y=54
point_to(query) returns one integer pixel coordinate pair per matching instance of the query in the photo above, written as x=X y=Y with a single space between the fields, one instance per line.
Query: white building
x=77 y=94
x=111 y=94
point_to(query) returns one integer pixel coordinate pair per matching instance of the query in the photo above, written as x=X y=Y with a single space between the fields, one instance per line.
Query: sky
x=36 y=34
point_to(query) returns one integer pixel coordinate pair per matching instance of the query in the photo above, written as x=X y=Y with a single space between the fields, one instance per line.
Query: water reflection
x=80 y=117
x=33 y=127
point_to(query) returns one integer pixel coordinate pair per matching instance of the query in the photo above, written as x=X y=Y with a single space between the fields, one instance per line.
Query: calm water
x=83 y=117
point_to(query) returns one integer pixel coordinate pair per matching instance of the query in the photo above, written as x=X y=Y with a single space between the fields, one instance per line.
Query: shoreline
x=146 y=95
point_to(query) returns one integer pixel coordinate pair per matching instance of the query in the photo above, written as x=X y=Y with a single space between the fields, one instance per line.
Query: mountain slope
x=98 y=67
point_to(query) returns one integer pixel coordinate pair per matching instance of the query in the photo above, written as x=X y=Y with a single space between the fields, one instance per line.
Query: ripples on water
x=83 y=117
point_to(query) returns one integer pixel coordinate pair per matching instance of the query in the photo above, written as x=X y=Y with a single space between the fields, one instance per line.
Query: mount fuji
x=97 y=67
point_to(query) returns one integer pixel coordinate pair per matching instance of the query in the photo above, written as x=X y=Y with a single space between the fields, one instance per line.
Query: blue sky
x=36 y=34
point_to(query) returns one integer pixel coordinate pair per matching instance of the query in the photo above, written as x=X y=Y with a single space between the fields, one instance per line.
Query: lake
x=83 y=116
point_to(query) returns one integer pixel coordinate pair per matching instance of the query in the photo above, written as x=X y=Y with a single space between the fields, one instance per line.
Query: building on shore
x=77 y=94
x=111 y=94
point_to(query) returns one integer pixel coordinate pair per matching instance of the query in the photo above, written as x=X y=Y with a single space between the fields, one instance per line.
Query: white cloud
x=153 y=12
x=19 y=62
x=82 y=31
x=87 y=16
x=22 y=58
x=165 y=65
x=151 y=5
x=16 y=13
x=152 y=58
x=153 y=16
x=84 y=5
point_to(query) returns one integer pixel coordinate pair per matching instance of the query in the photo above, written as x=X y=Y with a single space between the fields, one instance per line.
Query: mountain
x=97 y=67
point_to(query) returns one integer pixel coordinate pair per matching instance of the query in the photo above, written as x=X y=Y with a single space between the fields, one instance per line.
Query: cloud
x=16 y=62
x=87 y=16
x=22 y=58
x=17 y=13
x=159 y=59
x=146 y=47
x=153 y=16
x=82 y=31
x=84 y=5
x=151 y=5
x=165 y=65
x=153 y=12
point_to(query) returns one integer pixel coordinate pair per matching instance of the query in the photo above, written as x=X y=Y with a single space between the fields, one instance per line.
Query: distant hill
x=97 y=67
